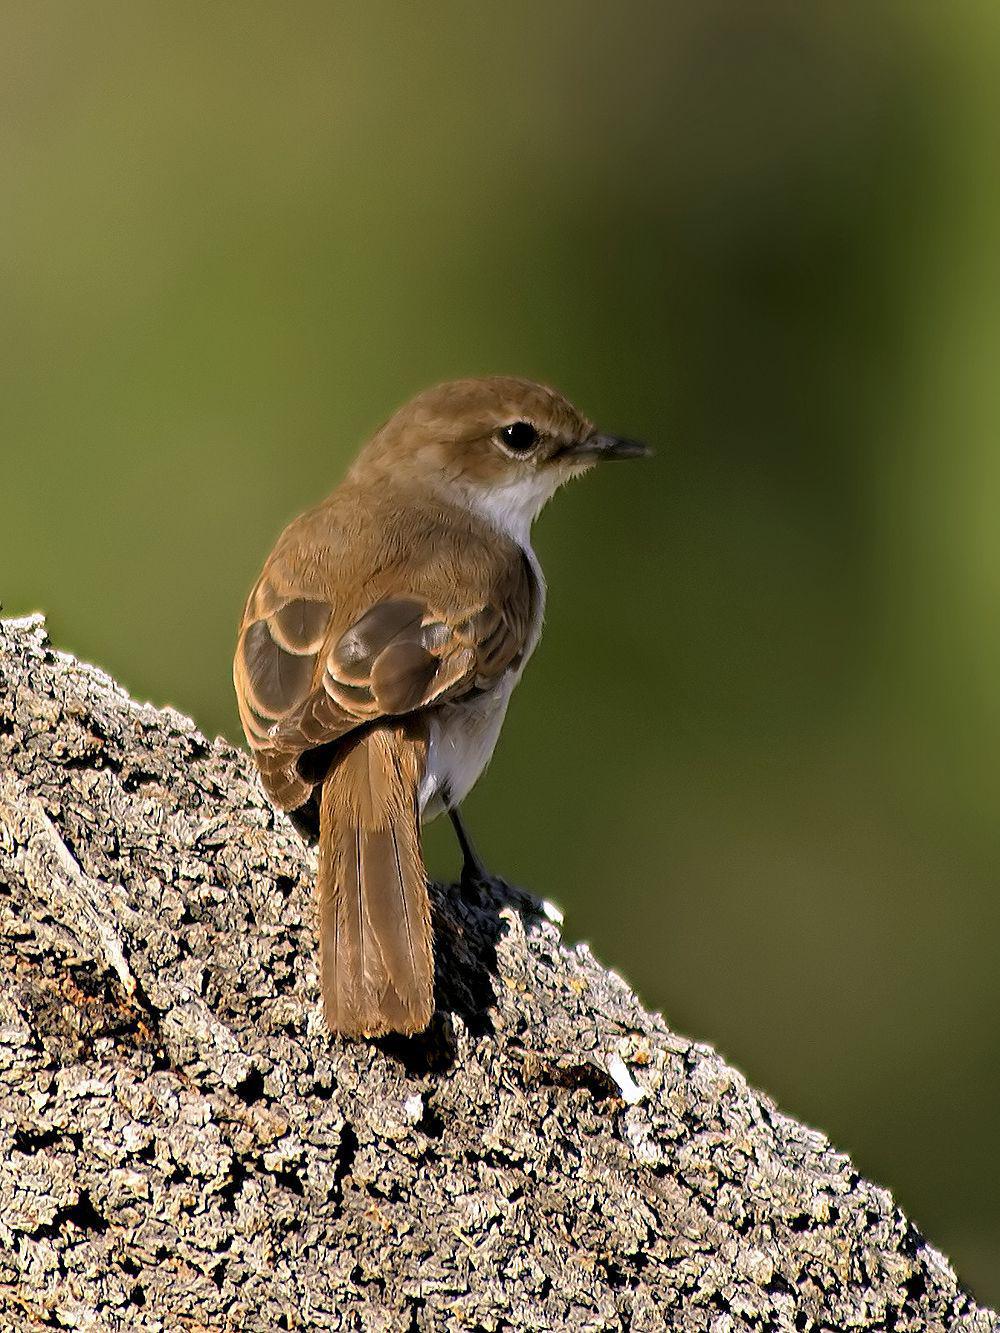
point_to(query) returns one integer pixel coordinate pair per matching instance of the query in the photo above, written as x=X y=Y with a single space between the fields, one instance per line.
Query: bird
x=377 y=654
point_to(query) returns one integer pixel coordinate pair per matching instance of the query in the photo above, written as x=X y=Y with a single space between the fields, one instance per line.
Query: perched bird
x=377 y=655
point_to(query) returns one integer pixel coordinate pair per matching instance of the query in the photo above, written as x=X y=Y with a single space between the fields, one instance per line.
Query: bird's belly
x=462 y=738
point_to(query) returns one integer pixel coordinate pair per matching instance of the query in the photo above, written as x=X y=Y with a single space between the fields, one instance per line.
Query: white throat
x=513 y=507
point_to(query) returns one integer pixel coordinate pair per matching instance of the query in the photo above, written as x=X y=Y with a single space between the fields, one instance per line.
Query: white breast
x=463 y=735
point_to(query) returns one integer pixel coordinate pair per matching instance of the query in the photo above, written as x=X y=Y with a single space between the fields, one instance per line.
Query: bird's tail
x=376 y=962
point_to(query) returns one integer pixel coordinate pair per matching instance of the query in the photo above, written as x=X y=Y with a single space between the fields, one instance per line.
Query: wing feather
x=307 y=674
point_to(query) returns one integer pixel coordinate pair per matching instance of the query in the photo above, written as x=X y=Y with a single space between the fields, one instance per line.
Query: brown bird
x=377 y=655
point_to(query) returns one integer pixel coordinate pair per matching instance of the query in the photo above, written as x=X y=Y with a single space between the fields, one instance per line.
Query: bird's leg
x=476 y=876
x=473 y=869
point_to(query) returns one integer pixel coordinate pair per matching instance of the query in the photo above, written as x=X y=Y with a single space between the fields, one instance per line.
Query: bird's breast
x=462 y=738
x=463 y=733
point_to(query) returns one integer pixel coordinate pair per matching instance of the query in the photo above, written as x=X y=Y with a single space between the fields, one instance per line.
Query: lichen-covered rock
x=183 y=1146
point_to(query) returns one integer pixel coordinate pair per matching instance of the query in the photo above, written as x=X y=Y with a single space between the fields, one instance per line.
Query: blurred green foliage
x=756 y=755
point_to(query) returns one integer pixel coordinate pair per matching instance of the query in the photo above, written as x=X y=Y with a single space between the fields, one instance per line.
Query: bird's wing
x=307 y=675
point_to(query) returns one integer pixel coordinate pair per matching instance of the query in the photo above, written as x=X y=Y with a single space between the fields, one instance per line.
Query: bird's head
x=500 y=445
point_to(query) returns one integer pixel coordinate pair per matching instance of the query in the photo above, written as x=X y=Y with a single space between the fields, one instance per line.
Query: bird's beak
x=610 y=446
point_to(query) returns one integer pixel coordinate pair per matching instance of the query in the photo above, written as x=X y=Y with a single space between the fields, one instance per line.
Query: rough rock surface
x=184 y=1147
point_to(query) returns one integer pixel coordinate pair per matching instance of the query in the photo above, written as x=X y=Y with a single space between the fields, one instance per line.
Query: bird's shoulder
x=364 y=544
x=368 y=608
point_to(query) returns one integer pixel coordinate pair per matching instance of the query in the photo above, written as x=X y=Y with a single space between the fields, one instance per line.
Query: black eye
x=520 y=437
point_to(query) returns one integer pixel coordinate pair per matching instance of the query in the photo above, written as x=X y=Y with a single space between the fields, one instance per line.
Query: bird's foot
x=477 y=879
x=477 y=883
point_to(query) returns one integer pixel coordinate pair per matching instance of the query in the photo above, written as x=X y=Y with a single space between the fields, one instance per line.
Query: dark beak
x=610 y=446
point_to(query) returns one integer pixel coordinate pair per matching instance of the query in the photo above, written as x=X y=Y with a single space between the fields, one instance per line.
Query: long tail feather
x=376 y=960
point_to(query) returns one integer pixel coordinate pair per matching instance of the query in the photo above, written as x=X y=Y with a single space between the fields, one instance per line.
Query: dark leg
x=473 y=870
x=476 y=877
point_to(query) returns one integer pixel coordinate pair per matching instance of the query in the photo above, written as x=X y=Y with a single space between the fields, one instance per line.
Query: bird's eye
x=520 y=437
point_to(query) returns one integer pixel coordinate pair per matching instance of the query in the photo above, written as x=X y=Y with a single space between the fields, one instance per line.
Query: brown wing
x=305 y=679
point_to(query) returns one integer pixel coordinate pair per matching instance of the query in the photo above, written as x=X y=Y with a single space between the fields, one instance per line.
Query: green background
x=756 y=755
